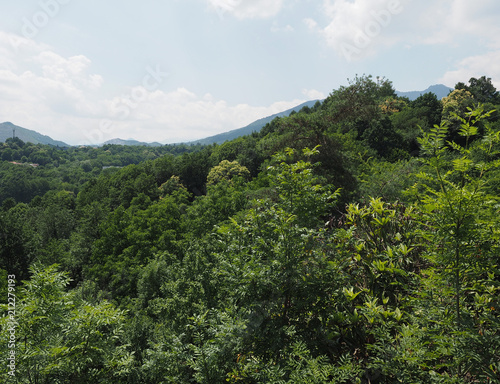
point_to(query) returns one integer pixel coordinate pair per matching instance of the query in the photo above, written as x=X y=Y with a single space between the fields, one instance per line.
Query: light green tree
x=459 y=220
x=455 y=107
x=61 y=338
x=226 y=170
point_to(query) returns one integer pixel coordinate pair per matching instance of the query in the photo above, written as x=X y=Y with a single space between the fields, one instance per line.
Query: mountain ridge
x=440 y=90
x=28 y=135
x=131 y=142
x=252 y=127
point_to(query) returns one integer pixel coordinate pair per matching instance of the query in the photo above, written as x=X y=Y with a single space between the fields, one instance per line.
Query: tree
x=226 y=170
x=482 y=89
x=381 y=136
x=61 y=338
x=193 y=169
x=424 y=112
x=17 y=240
x=360 y=100
x=299 y=191
x=300 y=131
x=272 y=263
x=172 y=186
x=222 y=201
x=459 y=221
x=455 y=107
x=7 y=154
x=428 y=107
x=130 y=237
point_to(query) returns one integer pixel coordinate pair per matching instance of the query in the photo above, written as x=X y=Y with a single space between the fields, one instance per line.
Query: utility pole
x=13 y=133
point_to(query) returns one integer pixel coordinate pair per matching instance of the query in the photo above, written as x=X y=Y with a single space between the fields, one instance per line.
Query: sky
x=86 y=71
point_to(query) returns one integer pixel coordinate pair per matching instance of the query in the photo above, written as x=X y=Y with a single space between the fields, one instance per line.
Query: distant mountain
x=27 y=135
x=131 y=142
x=253 y=127
x=439 y=90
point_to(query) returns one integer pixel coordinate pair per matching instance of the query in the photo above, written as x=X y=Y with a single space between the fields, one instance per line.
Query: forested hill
x=439 y=90
x=355 y=241
x=256 y=126
x=9 y=130
x=131 y=142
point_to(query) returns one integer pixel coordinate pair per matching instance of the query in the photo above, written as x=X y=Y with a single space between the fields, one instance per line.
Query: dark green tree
x=482 y=89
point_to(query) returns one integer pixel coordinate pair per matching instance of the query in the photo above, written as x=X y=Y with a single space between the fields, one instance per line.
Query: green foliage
x=299 y=367
x=313 y=130
x=226 y=170
x=241 y=263
x=380 y=136
x=215 y=343
x=482 y=89
x=243 y=150
x=385 y=247
x=455 y=107
x=457 y=217
x=422 y=113
x=222 y=201
x=387 y=180
x=360 y=99
x=130 y=238
x=299 y=191
x=172 y=186
x=61 y=339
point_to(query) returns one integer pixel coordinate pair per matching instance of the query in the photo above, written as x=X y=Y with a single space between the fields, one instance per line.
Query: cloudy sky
x=85 y=71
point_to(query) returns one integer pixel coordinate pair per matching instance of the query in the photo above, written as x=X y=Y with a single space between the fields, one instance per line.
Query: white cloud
x=358 y=27
x=310 y=23
x=313 y=94
x=247 y=9
x=277 y=28
x=475 y=66
x=180 y=115
x=15 y=50
x=42 y=90
x=449 y=21
x=71 y=71
x=61 y=97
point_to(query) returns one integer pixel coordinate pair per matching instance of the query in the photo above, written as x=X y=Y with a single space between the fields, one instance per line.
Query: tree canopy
x=357 y=241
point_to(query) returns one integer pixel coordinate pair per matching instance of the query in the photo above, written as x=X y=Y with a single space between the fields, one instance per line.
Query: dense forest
x=356 y=241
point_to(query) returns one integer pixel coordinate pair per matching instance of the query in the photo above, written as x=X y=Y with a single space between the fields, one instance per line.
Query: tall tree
x=461 y=227
x=61 y=338
x=482 y=89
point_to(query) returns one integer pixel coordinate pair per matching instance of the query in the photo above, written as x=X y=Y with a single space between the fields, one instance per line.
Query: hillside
x=131 y=142
x=439 y=90
x=345 y=243
x=256 y=126
x=34 y=137
x=27 y=135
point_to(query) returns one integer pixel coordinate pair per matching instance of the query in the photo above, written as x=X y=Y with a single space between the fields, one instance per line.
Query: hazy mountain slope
x=253 y=127
x=439 y=90
x=131 y=142
x=27 y=135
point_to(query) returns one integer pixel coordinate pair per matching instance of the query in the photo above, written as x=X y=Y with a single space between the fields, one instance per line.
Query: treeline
x=353 y=242
x=30 y=170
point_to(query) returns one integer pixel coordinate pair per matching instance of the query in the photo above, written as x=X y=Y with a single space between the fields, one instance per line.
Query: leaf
x=462 y=165
x=398 y=314
x=349 y=293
